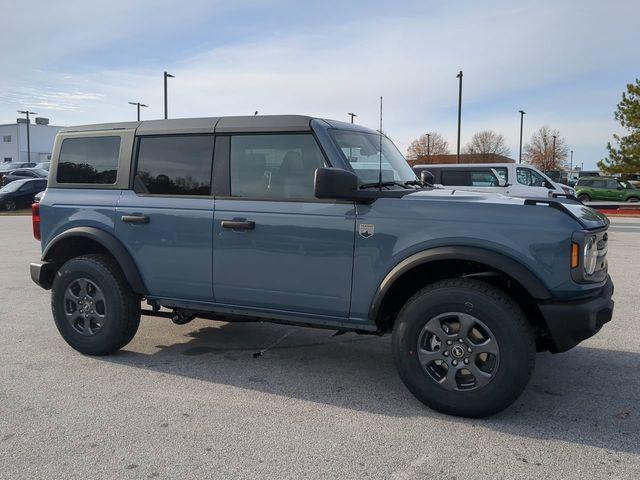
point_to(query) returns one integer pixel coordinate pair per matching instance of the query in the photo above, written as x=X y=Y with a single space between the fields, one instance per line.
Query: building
x=13 y=141
x=464 y=158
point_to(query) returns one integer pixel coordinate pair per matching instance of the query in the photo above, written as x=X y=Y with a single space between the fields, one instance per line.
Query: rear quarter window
x=92 y=160
x=455 y=178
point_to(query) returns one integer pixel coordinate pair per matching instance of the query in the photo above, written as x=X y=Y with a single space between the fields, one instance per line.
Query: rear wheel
x=583 y=197
x=10 y=205
x=633 y=199
x=93 y=305
x=463 y=347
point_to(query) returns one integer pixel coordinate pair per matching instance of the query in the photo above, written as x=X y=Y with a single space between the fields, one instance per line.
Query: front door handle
x=238 y=224
x=135 y=219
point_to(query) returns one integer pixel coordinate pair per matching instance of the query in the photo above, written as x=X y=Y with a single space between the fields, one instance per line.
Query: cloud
x=511 y=55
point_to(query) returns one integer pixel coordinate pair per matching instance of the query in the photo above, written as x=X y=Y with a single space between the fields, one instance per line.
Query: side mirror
x=335 y=183
x=619 y=187
x=427 y=177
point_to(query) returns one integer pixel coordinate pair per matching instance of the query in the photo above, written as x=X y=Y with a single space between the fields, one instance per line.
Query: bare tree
x=430 y=143
x=540 y=152
x=487 y=142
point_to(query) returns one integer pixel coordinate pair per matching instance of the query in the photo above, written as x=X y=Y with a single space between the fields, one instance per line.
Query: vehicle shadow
x=586 y=396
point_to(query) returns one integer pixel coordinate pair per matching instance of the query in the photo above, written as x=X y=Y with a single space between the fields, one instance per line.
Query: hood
x=589 y=218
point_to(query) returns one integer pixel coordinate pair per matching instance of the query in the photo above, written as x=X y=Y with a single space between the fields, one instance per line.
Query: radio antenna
x=380 y=152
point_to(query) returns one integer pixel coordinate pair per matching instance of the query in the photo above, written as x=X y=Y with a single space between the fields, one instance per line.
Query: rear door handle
x=238 y=224
x=135 y=219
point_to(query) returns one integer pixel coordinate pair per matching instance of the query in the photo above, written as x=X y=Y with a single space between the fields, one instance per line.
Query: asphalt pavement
x=192 y=402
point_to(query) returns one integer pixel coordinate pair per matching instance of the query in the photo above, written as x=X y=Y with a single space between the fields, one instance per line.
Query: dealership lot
x=191 y=401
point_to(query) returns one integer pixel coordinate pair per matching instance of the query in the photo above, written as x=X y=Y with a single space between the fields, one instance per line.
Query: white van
x=512 y=179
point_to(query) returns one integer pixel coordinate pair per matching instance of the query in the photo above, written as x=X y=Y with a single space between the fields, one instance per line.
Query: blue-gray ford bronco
x=316 y=223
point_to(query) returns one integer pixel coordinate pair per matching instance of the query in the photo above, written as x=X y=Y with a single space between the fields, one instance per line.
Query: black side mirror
x=335 y=183
x=427 y=177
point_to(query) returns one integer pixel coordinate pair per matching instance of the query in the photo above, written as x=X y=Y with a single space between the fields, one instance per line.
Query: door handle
x=136 y=219
x=238 y=224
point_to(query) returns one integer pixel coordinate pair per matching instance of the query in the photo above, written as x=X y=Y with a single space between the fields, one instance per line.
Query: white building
x=13 y=141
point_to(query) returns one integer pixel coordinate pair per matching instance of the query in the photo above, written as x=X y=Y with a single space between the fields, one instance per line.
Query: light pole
x=554 y=152
x=459 y=114
x=522 y=113
x=352 y=115
x=166 y=75
x=571 y=162
x=138 y=105
x=27 y=113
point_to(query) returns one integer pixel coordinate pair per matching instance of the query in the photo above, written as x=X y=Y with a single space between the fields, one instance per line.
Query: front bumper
x=570 y=322
x=41 y=274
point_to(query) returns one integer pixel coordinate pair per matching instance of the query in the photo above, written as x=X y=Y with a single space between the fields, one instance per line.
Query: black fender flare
x=111 y=244
x=498 y=261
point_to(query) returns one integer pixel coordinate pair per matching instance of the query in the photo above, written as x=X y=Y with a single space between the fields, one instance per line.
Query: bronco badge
x=366 y=230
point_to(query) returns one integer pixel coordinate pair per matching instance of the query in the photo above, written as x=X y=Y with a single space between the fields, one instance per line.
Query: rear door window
x=174 y=165
x=89 y=160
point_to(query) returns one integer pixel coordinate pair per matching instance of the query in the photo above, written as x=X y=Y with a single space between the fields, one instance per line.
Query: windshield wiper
x=383 y=184
x=419 y=183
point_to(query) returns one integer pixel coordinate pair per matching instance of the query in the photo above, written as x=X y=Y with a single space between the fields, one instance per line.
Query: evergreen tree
x=626 y=157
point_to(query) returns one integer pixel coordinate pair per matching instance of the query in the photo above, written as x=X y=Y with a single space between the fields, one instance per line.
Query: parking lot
x=191 y=401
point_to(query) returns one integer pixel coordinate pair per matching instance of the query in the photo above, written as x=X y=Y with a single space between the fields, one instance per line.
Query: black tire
x=583 y=197
x=633 y=199
x=120 y=307
x=503 y=318
x=10 y=205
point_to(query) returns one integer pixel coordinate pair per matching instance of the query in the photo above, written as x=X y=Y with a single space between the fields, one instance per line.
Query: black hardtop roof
x=247 y=124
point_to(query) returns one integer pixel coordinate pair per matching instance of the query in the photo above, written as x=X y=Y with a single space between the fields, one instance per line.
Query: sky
x=565 y=63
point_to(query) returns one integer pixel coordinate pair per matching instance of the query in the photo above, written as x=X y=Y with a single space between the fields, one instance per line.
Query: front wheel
x=583 y=197
x=463 y=347
x=93 y=305
x=633 y=199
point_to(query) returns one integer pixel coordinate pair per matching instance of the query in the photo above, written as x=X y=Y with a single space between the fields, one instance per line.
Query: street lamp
x=428 y=144
x=138 y=105
x=352 y=115
x=27 y=113
x=166 y=75
x=571 y=162
x=522 y=114
x=459 y=114
x=554 y=151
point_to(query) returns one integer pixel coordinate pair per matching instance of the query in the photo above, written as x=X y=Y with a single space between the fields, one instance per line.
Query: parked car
x=515 y=180
x=24 y=173
x=43 y=165
x=275 y=218
x=19 y=194
x=8 y=166
x=606 y=188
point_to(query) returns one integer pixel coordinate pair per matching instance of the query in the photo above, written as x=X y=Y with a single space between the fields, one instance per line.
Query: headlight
x=590 y=256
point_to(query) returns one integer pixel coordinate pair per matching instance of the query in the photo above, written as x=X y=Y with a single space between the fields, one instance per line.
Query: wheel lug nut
x=469 y=349
x=466 y=361
x=449 y=342
x=454 y=363
x=460 y=340
x=446 y=354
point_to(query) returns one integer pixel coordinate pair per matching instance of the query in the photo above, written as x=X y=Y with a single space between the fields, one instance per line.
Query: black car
x=20 y=193
x=24 y=173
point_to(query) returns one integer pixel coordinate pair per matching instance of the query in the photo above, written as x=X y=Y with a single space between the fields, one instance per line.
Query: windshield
x=7 y=166
x=362 y=150
x=13 y=186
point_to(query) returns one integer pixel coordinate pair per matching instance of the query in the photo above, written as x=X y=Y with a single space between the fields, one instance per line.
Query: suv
x=606 y=188
x=315 y=223
x=511 y=179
